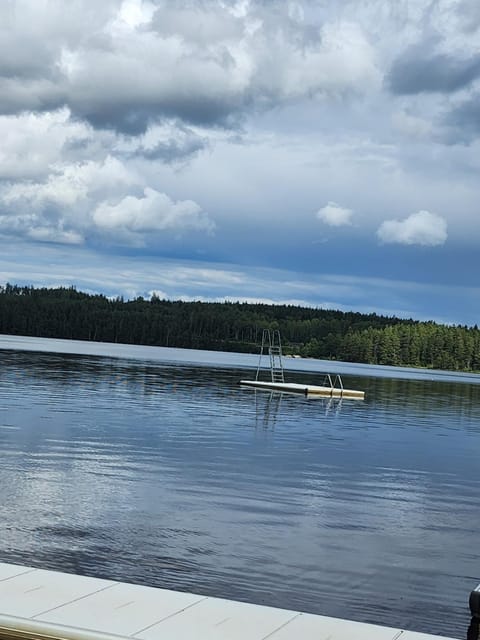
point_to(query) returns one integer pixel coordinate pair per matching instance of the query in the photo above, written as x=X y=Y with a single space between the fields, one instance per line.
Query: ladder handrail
x=328 y=382
x=271 y=343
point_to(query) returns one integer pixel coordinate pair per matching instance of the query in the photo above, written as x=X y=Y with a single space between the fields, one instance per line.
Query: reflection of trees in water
x=82 y=371
x=420 y=397
x=268 y=406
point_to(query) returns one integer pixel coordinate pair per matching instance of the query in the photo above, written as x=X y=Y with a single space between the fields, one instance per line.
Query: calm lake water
x=148 y=467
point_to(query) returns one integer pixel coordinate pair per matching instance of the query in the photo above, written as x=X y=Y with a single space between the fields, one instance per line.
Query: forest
x=228 y=326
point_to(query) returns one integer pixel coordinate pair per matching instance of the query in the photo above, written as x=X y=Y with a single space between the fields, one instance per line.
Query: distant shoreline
x=323 y=334
x=229 y=359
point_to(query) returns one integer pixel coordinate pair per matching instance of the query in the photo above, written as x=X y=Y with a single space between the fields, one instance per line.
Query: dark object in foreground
x=473 y=632
x=474 y=602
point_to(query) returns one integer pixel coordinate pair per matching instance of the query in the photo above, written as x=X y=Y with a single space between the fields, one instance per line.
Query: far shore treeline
x=229 y=326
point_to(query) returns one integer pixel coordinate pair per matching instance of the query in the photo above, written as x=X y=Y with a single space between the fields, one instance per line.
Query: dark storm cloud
x=418 y=72
x=133 y=120
x=121 y=80
x=207 y=63
x=125 y=79
x=109 y=105
x=171 y=151
x=19 y=95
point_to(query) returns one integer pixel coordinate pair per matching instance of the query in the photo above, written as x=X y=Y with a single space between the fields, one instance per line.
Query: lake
x=154 y=466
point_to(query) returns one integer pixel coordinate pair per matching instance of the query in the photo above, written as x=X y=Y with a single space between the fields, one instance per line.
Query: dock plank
x=312 y=627
x=217 y=619
x=32 y=593
x=8 y=571
x=125 y=609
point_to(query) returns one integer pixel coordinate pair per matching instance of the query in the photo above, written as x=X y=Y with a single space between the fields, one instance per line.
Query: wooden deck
x=39 y=604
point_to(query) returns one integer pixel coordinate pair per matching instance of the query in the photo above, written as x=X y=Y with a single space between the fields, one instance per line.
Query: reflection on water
x=175 y=476
x=268 y=405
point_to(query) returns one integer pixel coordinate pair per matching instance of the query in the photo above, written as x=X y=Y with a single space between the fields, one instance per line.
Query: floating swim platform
x=306 y=389
x=272 y=349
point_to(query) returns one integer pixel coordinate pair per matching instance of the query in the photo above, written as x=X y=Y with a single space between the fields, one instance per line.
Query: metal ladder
x=328 y=382
x=272 y=346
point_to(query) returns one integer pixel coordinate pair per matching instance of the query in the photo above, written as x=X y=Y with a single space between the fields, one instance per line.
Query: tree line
x=64 y=312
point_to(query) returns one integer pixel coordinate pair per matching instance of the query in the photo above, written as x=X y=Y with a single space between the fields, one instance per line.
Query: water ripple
x=172 y=475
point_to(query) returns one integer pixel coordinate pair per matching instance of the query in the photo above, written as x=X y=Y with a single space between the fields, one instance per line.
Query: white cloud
x=346 y=61
x=67 y=184
x=31 y=142
x=423 y=228
x=169 y=142
x=38 y=228
x=335 y=215
x=133 y=13
x=154 y=211
x=77 y=200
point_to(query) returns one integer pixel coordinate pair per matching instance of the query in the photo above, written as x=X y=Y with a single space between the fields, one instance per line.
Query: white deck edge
x=319 y=627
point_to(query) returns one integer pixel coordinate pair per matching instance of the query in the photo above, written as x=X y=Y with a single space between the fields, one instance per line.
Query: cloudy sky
x=318 y=152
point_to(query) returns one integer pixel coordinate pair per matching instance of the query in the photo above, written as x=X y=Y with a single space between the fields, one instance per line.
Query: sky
x=323 y=152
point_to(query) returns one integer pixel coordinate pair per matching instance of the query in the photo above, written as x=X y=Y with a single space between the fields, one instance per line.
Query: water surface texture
x=171 y=475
